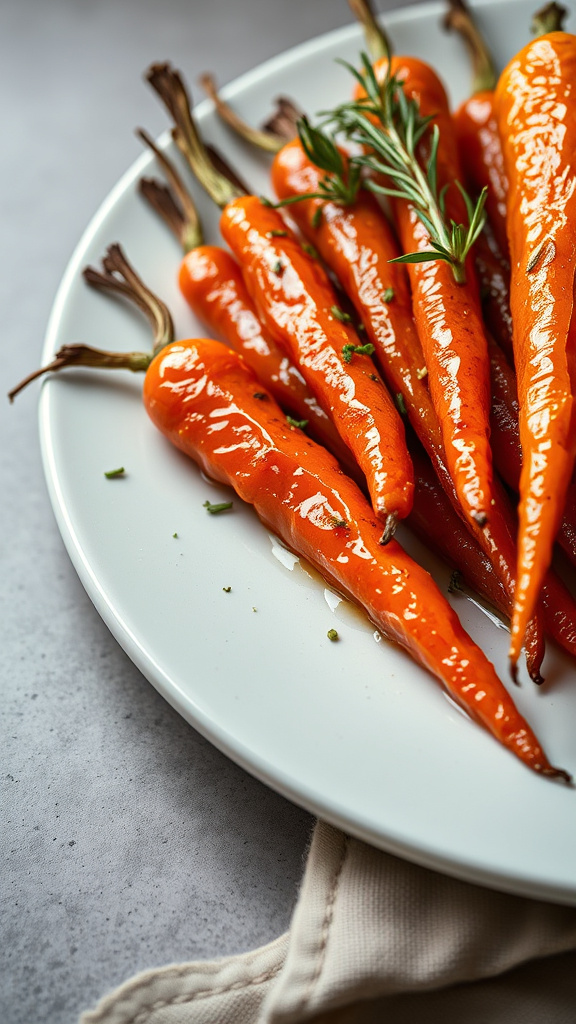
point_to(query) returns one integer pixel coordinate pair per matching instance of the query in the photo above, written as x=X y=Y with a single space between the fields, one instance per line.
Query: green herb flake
x=113 y=473
x=299 y=424
x=226 y=589
x=455 y=584
x=310 y=250
x=340 y=315
x=276 y=234
x=222 y=506
x=373 y=376
x=254 y=609
x=278 y=268
x=175 y=536
x=261 y=395
x=401 y=404
x=361 y=350
x=336 y=522
x=360 y=328
x=388 y=295
x=332 y=635
x=316 y=218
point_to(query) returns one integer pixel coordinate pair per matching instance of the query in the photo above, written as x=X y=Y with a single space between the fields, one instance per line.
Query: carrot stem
x=549 y=19
x=269 y=139
x=118 y=275
x=459 y=18
x=83 y=355
x=376 y=38
x=175 y=205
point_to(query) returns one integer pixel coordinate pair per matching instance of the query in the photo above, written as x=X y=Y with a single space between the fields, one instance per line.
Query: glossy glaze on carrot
x=211 y=281
x=201 y=396
x=356 y=243
x=537 y=121
x=482 y=160
x=448 y=315
x=299 y=308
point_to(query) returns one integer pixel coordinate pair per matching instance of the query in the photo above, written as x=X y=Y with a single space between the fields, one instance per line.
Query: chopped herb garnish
x=455 y=584
x=261 y=395
x=339 y=522
x=222 y=506
x=388 y=295
x=175 y=535
x=299 y=424
x=374 y=377
x=401 y=404
x=278 y=268
x=362 y=350
x=254 y=609
x=316 y=218
x=332 y=634
x=276 y=234
x=226 y=589
x=360 y=328
x=310 y=250
x=112 y=473
x=344 y=318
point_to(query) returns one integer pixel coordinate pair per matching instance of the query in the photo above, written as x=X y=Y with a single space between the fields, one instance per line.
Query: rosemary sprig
x=388 y=126
x=341 y=180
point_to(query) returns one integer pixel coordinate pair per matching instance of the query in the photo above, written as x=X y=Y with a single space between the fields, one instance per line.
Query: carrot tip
x=514 y=672
x=390 y=528
x=559 y=773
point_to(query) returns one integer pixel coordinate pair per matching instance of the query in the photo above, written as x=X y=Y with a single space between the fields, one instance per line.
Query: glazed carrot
x=299 y=492
x=538 y=129
x=395 y=100
x=299 y=308
x=212 y=284
x=507 y=447
x=494 y=279
x=356 y=243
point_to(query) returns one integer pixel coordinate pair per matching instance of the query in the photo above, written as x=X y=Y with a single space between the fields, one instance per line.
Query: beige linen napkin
x=376 y=939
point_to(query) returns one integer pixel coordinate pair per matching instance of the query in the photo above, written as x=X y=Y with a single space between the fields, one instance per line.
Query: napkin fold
x=376 y=939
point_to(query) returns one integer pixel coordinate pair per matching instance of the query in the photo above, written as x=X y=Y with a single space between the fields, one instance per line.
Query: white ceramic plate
x=353 y=731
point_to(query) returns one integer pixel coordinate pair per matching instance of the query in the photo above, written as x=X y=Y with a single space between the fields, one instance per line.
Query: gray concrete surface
x=128 y=840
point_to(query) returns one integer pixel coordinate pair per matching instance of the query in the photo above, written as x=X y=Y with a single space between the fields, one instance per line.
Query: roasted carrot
x=356 y=243
x=299 y=308
x=211 y=281
x=494 y=279
x=538 y=130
